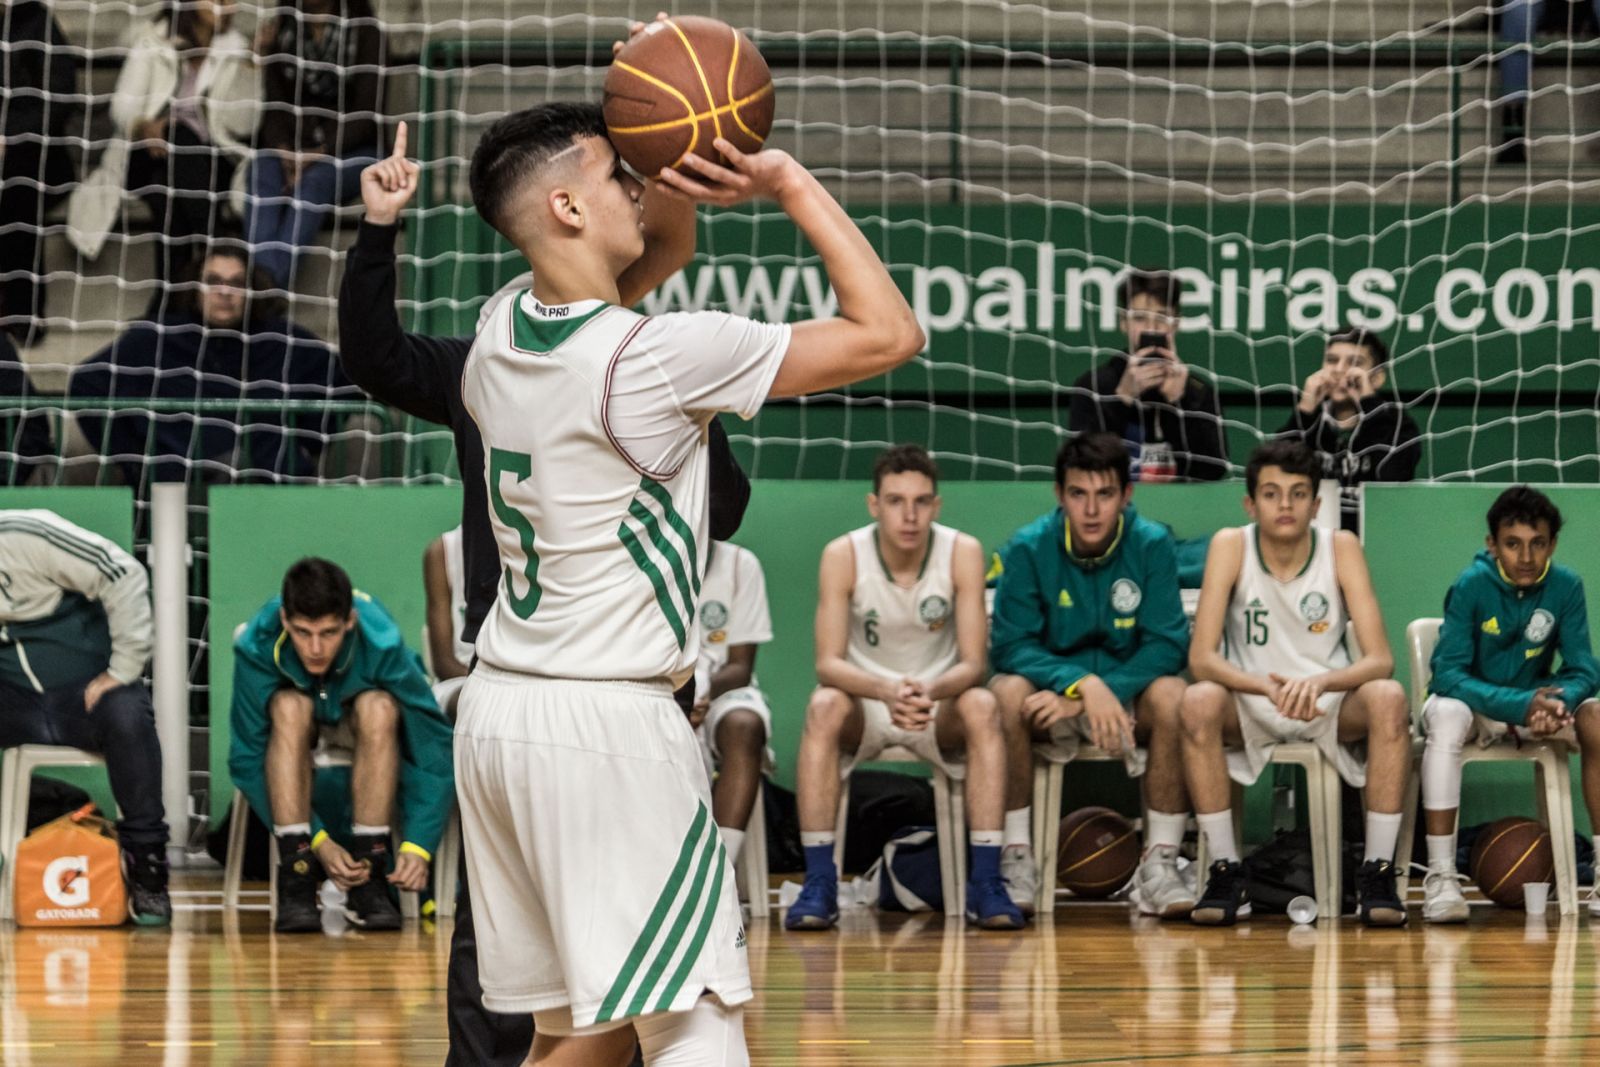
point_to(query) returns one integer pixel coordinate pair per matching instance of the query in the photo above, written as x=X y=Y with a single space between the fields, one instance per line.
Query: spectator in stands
x=321 y=66
x=323 y=670
x=185 y=107
x=35 y=100
x=76 y=618
x=1357 y=435
x=1169 y=417
x=221 y=339
x=1519 y=21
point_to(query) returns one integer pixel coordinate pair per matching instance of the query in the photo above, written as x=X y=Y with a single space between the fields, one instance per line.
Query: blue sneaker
x=990 y=906
x=817 y=906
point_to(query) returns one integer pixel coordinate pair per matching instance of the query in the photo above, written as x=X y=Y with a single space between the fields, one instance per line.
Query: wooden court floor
x=1091 y=986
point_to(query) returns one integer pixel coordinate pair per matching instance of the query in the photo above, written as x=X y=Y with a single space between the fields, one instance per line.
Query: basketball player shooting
x=573 y=760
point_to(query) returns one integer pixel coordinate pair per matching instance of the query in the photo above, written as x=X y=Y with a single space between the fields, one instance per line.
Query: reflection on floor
x=1093 y=985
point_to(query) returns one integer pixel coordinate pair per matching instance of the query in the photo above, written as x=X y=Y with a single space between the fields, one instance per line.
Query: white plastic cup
x=1536 y=897
x=1302 y=910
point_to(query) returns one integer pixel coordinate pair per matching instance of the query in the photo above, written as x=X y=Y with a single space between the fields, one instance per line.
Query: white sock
x=984 y=838
x=1383 y=829
x=363 y=830
x=1442 y=852
x=1218 y=828
x=1164 y=829
x=733 y=840
x=1019 y=828
x=292 y=828
x=809 y=838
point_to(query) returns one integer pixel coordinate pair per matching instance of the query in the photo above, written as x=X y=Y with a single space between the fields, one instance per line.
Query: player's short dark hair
x=517 y=145
x=315 y=588
x=1364 y=339
x=1524 y=504
x=902 y=458
x=1288 y=455
x=1163 y=285
x=1093 y=452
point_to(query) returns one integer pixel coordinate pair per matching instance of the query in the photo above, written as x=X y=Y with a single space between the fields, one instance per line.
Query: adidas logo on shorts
x=738 y=940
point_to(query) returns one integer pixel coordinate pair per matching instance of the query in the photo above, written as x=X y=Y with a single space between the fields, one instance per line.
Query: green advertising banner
x=1022 y=297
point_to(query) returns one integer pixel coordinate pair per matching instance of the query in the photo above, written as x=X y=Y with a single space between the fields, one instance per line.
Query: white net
x=1305 y=166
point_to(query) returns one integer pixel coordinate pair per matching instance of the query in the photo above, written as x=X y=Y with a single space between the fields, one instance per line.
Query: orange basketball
x=1098 y=854
x=680 y=84
x=1508 y=854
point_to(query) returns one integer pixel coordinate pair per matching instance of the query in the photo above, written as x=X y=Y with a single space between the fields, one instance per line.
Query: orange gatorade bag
x=69 y=873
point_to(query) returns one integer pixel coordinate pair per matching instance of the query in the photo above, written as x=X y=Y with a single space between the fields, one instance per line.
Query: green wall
x=376 y=533
x=109 y=513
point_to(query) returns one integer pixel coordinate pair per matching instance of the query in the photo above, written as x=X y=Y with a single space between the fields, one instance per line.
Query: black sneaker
x=1377 y=903
x=1224 y=901
x=370 y=905
x=144 y=872
x=299 y=875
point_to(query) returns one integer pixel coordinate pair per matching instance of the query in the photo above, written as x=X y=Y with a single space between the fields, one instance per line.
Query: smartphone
x=1153 y=339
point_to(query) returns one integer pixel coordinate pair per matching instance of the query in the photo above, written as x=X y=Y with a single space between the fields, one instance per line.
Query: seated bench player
x=1087 y=638
x=900 y=641
x=1283 y=594
x=1506 y=618
x=322 y=666
x=730 y=713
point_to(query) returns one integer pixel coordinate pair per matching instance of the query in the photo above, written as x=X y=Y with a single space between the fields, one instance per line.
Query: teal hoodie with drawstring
x=373 y=656
x=1059 y=618
x=1499 y=643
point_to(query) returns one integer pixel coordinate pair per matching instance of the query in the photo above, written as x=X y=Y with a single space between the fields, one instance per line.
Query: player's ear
x=565 y=208
x=1127 y=494
x=872 y=504
x=350 y=622
x=1377 y=377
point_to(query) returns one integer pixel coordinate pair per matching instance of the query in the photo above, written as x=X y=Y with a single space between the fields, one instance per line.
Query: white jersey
x=455 y=573
x=733 y=606
x=593 y=420
x=1294 y=628
x=898 y=631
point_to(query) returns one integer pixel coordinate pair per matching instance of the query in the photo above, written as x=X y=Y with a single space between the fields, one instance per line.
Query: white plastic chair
x=1324 y=817
x=752 y=868
x=1048 y=786
x=950 y=826
x=1549 y=757
x=16 y=775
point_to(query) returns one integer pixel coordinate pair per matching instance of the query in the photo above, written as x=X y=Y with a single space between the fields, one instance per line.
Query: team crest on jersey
x=933 y=611
x=1314 y=608
x=1125 y=596
x=714 y=617
x=1540 y=626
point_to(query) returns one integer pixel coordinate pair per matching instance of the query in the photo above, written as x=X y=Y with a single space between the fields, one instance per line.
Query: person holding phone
x=1169 y=416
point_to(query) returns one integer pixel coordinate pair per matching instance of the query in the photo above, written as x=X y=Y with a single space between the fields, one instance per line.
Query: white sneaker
x=1158 y=886
x=1021 y=875
x=1442 y=900
x=1594 y=901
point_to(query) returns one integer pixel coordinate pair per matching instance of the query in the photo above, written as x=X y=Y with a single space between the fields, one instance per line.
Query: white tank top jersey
x=1294 y=628
x=898 y=631
x=455 y=572
x=594 y=434
x=733 y=606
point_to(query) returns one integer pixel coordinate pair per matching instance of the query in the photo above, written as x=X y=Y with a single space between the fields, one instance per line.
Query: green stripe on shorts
x=658 y=915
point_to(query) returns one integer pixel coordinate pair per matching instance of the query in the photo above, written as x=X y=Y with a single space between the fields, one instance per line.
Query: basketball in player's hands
x=678 y=85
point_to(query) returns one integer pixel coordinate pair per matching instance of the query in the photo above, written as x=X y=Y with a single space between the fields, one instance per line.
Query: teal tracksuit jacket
x=373 y=657
x=1498 y=645
x=1058 y=618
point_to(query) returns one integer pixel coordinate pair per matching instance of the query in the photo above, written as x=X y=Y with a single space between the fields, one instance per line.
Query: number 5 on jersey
x=519 y=465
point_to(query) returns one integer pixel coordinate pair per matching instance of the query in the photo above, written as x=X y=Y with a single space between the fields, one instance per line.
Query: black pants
x=185 y=190
x=26 y=174
x=122 y=728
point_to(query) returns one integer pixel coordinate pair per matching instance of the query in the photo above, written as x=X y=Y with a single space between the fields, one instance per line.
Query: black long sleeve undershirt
x=422 y=377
